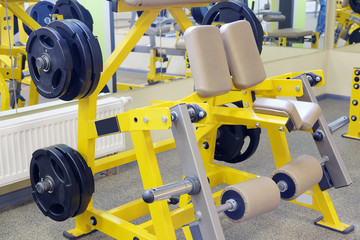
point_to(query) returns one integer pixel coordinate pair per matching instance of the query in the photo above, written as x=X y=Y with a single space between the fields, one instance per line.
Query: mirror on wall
x=160 y=54
x=292 y=23
x=347 y=25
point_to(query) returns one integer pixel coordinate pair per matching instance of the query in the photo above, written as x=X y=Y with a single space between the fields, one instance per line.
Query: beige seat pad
x=290 y=33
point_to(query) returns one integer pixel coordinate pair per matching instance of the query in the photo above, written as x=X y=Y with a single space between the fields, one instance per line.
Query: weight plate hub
x=355 y=5
x=71 y=9
x=230 y=143
x=49 y=61
x=80 y=62
x=81 y=73
x=62 y=182
x=226 y=12
x=41 y=13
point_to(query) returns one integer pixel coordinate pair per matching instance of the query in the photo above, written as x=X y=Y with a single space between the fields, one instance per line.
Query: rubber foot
x=350 y=137
x=343 y=228
x=72 y=237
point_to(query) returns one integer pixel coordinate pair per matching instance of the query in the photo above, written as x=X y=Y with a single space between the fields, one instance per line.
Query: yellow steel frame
x=15 y=8
x=116 y=222
x=354 y=114
x=153 y=76
x=135 y=33
x=282 y=41
x=346 y=19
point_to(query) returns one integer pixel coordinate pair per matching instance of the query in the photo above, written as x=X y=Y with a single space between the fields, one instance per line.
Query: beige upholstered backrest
x=207 y=60
x=242 y=54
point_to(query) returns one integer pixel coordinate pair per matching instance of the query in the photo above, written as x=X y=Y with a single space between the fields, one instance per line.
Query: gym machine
x=354 y=115
x=348 y=20
x=235 y=48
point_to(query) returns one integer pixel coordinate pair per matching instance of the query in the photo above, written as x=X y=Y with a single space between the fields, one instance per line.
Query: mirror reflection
x=347 y=29
x=160 y=54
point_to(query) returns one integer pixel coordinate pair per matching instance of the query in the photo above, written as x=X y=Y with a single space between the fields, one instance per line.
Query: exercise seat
x=302 y=114
x=290 y=33
x=247 y=71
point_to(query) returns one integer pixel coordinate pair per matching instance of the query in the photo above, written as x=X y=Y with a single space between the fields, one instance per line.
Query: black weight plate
x=47 y=43
x=83 y=175
x=229 y=141
x=254 y=139
x=63 y=201
x=41 y=13
x=198 y=13
x=97 y=60
x=355 y=5
x=226 y=12
x=80 y=82
x=355 y=36
x=71 y=9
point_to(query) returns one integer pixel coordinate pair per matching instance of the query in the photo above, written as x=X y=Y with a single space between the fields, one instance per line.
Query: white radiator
x=20 y=137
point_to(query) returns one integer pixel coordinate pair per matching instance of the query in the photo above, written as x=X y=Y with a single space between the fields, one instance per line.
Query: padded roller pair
x=253 y=198
x=261 y=195
x=299 y=175
x=212 y=52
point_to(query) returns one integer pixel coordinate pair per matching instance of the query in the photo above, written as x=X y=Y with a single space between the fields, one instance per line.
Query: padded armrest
x=309 y=113
x=278 y=107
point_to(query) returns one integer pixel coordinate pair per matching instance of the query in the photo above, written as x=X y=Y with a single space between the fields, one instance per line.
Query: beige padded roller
x=297 y=176
x=242 y=54
x=207 y=60
x=253 y=198
x=278 y=107
x=154 y=3
x=344 y=3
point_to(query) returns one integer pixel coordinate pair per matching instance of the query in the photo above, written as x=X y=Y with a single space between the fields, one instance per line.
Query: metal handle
x=338 y=123
x=190 y=185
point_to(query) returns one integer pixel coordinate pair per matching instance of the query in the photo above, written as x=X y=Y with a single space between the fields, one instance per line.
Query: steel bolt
x=197 y=215
x=257 y=125
x=205 y=145
x=173 y=116
x=353 y=118
x=246 y=105
x=243 y=92
x=278 y=88
x=281 y=128
x=145 y=119
x=93 y=221
x=164 y=119
x=357 y=72
x=318 y=79
x=356 y=86
x=46 y=185
x=355 y=102
x=297 y=88
x=282 y=185
x=201 y=114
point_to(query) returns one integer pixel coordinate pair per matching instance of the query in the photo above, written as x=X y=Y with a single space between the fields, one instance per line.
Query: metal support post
x=203 y=202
